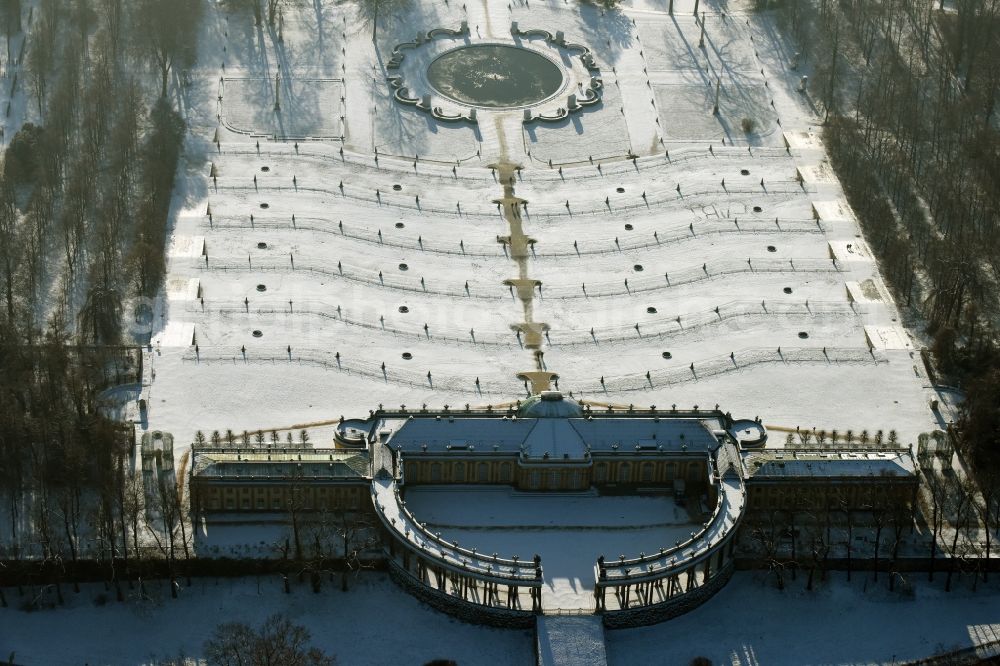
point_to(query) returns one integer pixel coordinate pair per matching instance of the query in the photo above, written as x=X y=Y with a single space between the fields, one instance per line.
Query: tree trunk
x=934 y=539
x=850 y=536
x=296 y=537
x=343 y=574
x=953 y=559
x=878 y=543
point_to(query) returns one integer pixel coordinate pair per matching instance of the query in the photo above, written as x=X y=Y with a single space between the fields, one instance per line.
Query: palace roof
x=777 y=464
x=546 y=437
x=280 y=464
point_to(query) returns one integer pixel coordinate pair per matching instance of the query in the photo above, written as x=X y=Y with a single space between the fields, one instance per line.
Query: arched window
x=458 y=474
x=601 y=473
x=484 y=472
x=435 y=472
x=505 y=472
x=647 y=472
x=671 y=471
x=624 y=473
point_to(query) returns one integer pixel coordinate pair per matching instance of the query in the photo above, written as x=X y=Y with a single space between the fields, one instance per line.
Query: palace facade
x=269 y=480
x=552 y=443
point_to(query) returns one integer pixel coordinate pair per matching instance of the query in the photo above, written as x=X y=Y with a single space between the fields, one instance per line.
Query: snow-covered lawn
x=750 y=623
x=373 y=623
x=601 y=134
x=311 y=109
x=325 y=262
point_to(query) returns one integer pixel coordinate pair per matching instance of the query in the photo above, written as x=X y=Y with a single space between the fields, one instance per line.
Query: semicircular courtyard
x=563 y=510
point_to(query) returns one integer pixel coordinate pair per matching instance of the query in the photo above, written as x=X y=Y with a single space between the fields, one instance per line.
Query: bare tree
x=252 y=5
x=898 y=521
x=938 y=493
x=768 y=536
x=819 y=546
x=276 y=641
x=355 y=533
x=960 y=516
x=987 y=510
x=844 y=504
x=167 y=27
x=880 y=516
x=163 y=518
x=272 y=10
x=101 y=316
x=296 y=503
x=42 y=49
x=372 y=10
x=131 y=508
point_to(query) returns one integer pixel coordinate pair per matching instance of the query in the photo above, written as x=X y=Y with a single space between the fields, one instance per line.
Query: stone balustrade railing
x=730 y=504
x=405 y=527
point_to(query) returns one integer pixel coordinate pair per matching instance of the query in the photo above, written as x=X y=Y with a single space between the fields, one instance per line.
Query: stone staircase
x=570 y=640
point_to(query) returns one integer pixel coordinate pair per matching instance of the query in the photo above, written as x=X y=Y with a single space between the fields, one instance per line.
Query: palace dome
x=550 y=404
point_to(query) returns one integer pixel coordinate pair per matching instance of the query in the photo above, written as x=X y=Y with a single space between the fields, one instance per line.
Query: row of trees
x=84 y=200
x=258 y=439
x=963 y=518
x=959 y=521
x=823 y=523
x=85 y=192
x=63 y=474
x=848 y=439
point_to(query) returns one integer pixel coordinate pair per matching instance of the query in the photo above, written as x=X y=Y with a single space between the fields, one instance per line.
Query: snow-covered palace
x=707 y=468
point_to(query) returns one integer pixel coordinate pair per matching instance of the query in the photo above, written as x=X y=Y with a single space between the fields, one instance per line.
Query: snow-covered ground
x=324 y=262
x=749 y=623
x=569 y=530
x=373 y=623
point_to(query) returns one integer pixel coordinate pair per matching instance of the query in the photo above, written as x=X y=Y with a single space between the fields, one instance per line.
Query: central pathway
x=531 y=333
